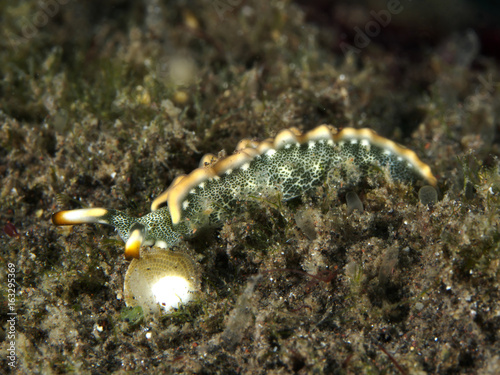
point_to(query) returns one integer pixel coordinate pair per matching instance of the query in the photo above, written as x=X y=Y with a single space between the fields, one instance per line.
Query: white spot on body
x=229 y=171
x=185 y=205
x=311 y=144
x=245 y=166
x=161 y=243
x=365 y=142
x=202 y=185
x=270 y=153
x=387 y=152
x=354 y=141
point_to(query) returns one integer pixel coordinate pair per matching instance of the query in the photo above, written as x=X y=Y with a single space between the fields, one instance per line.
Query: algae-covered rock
x=103 y=104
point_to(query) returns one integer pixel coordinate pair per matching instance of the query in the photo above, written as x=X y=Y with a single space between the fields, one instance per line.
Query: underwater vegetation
x=106 y=104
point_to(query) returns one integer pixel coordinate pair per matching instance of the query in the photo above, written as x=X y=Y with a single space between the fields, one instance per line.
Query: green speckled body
x=287 y=172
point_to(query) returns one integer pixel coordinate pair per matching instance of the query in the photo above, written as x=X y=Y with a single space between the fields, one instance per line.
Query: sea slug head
x=152 y=229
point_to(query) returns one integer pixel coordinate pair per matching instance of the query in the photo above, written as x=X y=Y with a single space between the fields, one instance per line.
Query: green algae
x=87 y=114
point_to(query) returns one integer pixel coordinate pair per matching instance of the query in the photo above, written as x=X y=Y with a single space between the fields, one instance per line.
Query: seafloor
x=104 y=103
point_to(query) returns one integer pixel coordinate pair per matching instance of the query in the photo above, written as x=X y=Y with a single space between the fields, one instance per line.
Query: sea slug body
x=288 y=165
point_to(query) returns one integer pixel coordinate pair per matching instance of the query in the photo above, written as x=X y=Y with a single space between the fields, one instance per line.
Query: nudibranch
x=288 y=165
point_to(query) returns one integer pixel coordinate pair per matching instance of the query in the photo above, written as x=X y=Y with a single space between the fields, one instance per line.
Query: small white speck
x=191 y=191
x=202 y=185
x=400 y=158
x=387 y=152
x=354 y=141
x=330 y=142
x=288 y=146
x=311 y=144
x=365 y=142
x=185 y=205
x=149 y=335
x=113 y=175
x=270 y=153
x=245 y=166
x=161 y=243
x=341 y=143
x=229 y=171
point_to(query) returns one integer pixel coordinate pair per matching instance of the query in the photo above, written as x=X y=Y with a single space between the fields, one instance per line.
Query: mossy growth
x=132 y=315
x=84 y=114
x=479 y=246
